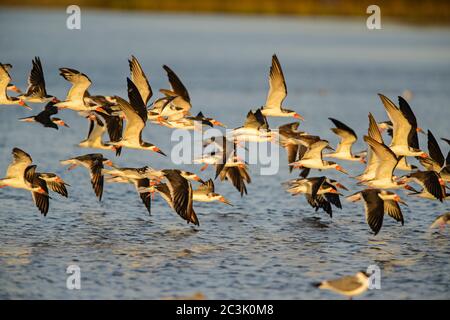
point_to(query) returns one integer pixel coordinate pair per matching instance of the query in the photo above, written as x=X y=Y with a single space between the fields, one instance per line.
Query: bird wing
x=134 y=124
x=347 y=135
x=36 y=81
x=262 y=120
x=97 y=179
x=80 y=83
x=344 y=284
x=207 y=187
x=40 y=200
x=393 y=210
x=374 y=133
x=251 y=121
x=374 y=208
x=292 y=151
x=21 y=160
x=176 y=84
x=413 y=139
x=145 y=196
x=277 y=86
x=181 y=195
x=402 y=127
x=435 y=150
x=58 y=187
x=315 y=150
x=5 y=79
x=386 y=159
x=430 y=181
x=140 y=80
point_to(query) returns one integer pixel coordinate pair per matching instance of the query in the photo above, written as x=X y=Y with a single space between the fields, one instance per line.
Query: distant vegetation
x=425 y=11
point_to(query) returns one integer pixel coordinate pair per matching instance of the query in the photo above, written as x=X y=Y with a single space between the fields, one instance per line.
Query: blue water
x=269 y=244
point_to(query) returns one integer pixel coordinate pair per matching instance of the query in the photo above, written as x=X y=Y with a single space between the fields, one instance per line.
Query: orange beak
x=297 y=116
x=223 y=200
x=100 y=109
x=218 y=123
x=341 y=186
x=441 y=182
x=109 y=163
x=339 y=168
x=23 y=104
x=424 y=155
x=420 y=130
x=15 y=89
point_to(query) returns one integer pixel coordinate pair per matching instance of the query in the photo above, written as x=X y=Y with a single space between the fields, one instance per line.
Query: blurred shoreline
x=412 y=11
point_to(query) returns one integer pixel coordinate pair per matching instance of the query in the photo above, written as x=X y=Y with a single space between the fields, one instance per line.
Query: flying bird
x=377 y=202
x=277 y=93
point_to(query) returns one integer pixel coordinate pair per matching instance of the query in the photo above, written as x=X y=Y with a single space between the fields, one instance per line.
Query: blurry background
x=426 y=11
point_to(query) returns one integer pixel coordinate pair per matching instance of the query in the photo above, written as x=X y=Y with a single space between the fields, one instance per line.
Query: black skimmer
x=45 y=117
x=203 y=120
x=320 y=192
x=377 y=203
x=385 y=165
x=224 y=153
x=36 y=91
x=237 y=175
x=436 y=161
x=404 y=141
x=10 y=87
x=344 y=148
x=136 y=118
x=433 y=186
x=94 y=162
x=277 y=93
x=255 y=129
x=145 y=172
x=372 y=159
x=290 y=140
x=205 y=193
x=441 y=221
x=312 y=158
x=75 y=99
x=4 y=82
x=179 y=92
x=95 y=135
x=21 y=174
x=55 y=183
x=349 y=286
x=178 y=194
x=140 y=79
x=97 y=127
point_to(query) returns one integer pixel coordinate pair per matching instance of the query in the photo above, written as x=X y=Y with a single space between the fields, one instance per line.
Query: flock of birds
x=124 y=120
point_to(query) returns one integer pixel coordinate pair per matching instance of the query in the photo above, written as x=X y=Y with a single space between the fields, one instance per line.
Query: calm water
x=269 y=245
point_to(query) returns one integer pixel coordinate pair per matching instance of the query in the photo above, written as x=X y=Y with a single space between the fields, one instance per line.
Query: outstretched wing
x=80 y=83
x=277 y=86
x=21 y=160
x=140 y=80
x=176 y=84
